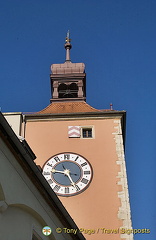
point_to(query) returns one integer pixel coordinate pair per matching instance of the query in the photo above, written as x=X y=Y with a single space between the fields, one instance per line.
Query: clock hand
x=70 y=172
x=68 y=175
x=56 y=171
x=63 y=167
x=72 y=183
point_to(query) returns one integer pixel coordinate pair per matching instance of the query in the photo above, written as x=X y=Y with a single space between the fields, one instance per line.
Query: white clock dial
x=68 y=173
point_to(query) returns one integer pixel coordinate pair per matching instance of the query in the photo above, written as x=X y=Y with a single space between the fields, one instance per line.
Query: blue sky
x=116 y=39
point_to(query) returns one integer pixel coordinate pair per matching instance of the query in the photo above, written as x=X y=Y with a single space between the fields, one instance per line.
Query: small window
x=87 y=133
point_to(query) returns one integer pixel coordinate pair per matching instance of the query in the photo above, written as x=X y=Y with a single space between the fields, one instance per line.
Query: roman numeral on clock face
x=57 y=159
x=86 y=172
x=56 y=188
x=76 y=158
x=49 y=164
x=66 y=190
x=66 y=156
x=77 y=188
x=83 y=164
x=50 y=181
x=84 y=180
x=46 y=173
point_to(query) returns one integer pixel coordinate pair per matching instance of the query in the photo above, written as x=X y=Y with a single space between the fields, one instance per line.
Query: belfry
x=68 y=80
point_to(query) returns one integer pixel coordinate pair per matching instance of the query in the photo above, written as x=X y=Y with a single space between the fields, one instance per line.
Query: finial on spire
x=68 y=46
x=68 y=37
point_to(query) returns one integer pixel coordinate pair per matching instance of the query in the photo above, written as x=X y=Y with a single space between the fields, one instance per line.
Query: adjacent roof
x=69 y=107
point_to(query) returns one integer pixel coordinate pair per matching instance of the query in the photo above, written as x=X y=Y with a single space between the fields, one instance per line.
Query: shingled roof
x=68 y=107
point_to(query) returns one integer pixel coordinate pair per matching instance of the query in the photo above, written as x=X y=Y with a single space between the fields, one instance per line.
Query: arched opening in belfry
x=68 y=91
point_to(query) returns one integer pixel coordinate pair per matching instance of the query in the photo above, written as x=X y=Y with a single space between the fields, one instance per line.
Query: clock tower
x=81 y=152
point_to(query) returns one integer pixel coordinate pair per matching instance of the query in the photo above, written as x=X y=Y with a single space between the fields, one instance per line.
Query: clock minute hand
x=68 y=175
x=72 y=183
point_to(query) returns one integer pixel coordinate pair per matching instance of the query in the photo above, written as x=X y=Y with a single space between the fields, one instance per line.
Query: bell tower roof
x=68 y=66
x=68 y=80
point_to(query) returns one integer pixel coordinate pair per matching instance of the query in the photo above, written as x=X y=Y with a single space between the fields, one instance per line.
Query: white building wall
x=15 y=120
x=22 y=207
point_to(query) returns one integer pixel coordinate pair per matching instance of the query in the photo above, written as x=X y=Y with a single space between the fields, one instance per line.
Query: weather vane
x=68 y=37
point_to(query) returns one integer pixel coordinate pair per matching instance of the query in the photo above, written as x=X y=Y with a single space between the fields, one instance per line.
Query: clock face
x=68 y=174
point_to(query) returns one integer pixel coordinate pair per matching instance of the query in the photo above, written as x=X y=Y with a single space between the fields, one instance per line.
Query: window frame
x=87 y=128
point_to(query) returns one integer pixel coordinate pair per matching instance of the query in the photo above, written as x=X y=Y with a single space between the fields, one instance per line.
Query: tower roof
x=68 y=68
x=68 y=107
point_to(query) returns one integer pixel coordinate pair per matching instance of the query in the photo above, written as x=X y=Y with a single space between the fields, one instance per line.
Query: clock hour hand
x=56 y=171
x=63 y=172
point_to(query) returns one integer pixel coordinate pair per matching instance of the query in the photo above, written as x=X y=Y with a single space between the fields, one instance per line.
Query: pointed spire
x=68 y=46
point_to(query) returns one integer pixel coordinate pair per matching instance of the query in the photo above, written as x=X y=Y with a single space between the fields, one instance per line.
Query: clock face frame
x=68 y=173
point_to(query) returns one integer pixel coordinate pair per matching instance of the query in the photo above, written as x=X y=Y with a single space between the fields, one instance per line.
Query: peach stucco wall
x=97 y=207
